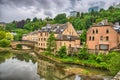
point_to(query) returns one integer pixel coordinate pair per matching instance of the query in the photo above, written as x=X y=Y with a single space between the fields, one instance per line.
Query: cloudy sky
x=21 y=9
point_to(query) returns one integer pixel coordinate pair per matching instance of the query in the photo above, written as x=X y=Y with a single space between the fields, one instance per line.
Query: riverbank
x=101 y=61
x=69 y=60
x=49 y=68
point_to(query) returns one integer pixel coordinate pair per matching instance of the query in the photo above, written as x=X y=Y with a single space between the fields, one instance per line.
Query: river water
x=25 y=67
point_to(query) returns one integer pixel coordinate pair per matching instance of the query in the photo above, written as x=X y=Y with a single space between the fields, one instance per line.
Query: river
x=22 y=66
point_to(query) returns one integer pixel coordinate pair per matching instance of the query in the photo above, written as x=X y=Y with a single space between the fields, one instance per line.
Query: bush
x=62 y=52
x=114 y=64
x=4 y=43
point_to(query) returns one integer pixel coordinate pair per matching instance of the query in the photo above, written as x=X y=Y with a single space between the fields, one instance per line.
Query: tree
x=35 y=19
x=83 y=36
x=61 y=18
x=114 y=64
x=62 y=52
x=51 y=43
x=83 y=53
x=4 y=43
x=10 y=26
x=2 y=35
x=28 y=20
x=20 y=24
x=9 y=36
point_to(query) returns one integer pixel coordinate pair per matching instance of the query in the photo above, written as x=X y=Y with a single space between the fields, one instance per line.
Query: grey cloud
x=18 y=3
x=20 y=9
x=48 y=13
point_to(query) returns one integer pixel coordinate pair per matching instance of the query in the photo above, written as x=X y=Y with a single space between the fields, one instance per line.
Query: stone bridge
x=26 y=43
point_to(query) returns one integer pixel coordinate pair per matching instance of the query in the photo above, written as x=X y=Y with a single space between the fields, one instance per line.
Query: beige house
x=103 y=37
x=65 y=35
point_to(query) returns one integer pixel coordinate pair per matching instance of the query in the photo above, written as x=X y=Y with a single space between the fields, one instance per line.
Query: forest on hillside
x=81 y=22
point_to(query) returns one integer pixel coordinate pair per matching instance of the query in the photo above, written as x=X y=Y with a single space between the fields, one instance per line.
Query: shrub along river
x=24 y=66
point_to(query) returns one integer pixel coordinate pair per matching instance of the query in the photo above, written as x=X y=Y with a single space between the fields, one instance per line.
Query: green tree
x=28 y=20
x=83 y=53
x=61 y=18
x=4 y=43
x=35 y=19
x=10 y=26
x=19 y=33
x=83 y=36
x=2 y=35
x=9 y=36
x=51 y=43
x=62 y=52
x=114 y=64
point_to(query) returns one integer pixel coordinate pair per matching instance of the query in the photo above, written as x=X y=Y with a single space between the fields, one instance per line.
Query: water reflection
x=25 y=67
x=14 y=69
x=50 y=71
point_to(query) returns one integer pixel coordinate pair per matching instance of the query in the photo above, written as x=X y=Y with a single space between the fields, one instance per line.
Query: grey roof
x=56 y=28
x=67 y=37
x=117 y=28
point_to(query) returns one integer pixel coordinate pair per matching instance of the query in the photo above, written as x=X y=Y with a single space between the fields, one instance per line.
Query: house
x=103 y=37
x=65 y=35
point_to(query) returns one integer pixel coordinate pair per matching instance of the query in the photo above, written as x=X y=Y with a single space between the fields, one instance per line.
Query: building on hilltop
x=95 y=9
x=73 y=13
x=65 y=35
x=103 y=37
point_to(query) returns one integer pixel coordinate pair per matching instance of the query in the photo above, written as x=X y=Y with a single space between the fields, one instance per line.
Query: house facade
x=65 y=35
x=103 y=37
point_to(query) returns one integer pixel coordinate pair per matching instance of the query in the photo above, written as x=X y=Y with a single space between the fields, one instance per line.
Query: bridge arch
x=30 y=44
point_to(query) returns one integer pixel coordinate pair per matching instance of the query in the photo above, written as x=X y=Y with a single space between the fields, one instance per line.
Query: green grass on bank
x=102 y=61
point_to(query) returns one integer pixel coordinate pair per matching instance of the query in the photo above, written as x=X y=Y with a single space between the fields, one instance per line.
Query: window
x=96 y=31
x=60 y=43
x=93 y=31
x=40 y=34
x=101 y=38
x=107 y=38
x=107 y=31
x=69 y=45
x=93 y=38
x=90 y=38
x=44 y=39
x=104 y=47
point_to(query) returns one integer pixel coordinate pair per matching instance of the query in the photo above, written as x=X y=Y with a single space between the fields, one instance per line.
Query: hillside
x=81 y=22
